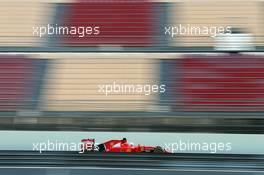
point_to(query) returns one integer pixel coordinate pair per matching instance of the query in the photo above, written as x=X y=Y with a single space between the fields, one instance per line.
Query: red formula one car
x=88 y=145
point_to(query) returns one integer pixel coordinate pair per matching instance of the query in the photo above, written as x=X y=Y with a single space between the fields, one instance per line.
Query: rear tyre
x=158 y=149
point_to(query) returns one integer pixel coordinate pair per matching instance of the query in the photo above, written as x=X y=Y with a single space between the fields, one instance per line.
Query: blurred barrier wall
x=71 y=82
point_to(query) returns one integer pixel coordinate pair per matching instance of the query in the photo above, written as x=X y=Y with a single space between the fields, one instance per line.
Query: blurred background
x=53 y=80
x=132 y=25
x=214 y=85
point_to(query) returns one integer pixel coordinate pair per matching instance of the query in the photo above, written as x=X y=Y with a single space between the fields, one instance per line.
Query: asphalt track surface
x=71 y=163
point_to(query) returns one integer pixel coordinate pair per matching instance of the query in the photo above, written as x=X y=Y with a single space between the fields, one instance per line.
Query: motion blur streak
x=124 y=162
x=43 y=85
x=56 y=54
x=127 y=23
x=57 y=82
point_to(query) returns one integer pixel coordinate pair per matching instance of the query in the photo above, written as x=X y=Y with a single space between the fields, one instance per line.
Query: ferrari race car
x=89 y=145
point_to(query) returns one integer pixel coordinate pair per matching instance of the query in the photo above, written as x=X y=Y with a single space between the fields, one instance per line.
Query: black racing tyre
x=158 y=149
